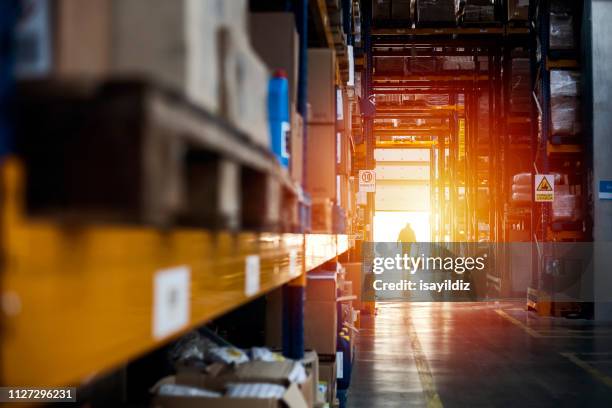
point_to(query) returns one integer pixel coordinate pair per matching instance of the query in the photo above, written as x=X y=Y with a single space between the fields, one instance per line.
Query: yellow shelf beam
x=79 y=300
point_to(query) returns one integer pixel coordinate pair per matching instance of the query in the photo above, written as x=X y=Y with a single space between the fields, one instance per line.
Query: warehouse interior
x=198 y=200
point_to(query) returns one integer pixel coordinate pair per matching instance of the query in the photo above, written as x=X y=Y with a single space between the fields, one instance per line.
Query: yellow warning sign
x=544 y=185
x=544 y=188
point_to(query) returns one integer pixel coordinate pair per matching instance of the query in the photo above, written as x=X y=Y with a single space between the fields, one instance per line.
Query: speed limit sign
x=367 y=181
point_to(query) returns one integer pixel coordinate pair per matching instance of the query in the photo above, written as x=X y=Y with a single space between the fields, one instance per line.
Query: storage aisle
x=478 y=355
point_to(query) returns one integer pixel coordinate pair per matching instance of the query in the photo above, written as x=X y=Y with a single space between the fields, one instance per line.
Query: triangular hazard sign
x=544 y=185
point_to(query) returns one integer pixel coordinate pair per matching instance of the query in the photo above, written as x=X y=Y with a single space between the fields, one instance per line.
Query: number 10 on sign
x=367 y=181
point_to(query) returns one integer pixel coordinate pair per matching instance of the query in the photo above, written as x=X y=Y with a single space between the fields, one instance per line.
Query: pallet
x=130 y=152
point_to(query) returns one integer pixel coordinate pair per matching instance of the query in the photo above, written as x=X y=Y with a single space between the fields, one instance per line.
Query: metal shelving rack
x=554 y=153
x=87 y=291
x=449 y=171
x=78 y=299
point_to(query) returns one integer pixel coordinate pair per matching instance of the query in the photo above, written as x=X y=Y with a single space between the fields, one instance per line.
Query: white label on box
x=251 y=275
x=339 y=365
x=170 y=300
x=293 y=268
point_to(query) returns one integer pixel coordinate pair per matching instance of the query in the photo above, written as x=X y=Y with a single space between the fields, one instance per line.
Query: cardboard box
x=518 y=10
x=320 y=326
x=327 y=379
x=322 y=85
x=321 y=215
x=321 y=286
x=275 y=373
x=321 y=162
x=275 y=39
x=123 y=37
x=355 y=276
x=311 y=363
x=244 y=79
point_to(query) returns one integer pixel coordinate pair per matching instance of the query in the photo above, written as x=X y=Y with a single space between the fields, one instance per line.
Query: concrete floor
x=479 y=355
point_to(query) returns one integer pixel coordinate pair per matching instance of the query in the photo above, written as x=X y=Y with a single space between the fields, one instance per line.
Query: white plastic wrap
x=566 y=207
x=521 y=198
x=255 y=390
x=228 y=355
x=565 y=116
x=178 y=390
x=265 y=354
x=561 y=31
x=564 y=83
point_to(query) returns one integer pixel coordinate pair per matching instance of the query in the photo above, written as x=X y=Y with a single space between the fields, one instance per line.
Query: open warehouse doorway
x=403 y=193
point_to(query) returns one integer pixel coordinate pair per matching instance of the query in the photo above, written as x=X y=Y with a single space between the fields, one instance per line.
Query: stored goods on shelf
x=252 y=384
x=567 y=206
x=477 y=12
x=565 y=103
x=244 y=79
x=321 y=326
x=321 y=215
x=278 y=116
x=327 y=379
x=435 y=12
x=321 y=161
x=562 y=32
x=518 y=10
x=458 y=63
x=99 y=37
x=275 y=39
x=322 y=85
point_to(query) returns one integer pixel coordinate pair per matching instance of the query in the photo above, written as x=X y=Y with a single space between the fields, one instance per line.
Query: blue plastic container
x=344 y=346
x=278 y=116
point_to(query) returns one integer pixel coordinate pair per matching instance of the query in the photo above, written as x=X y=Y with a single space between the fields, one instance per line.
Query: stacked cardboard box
x=210 y=387
x=321 y=163
x=322 y=136
x=327 y=380
x=565 y=104
x=321 y=215
x=275 y=39
x=320 y=313
x=199 y=48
